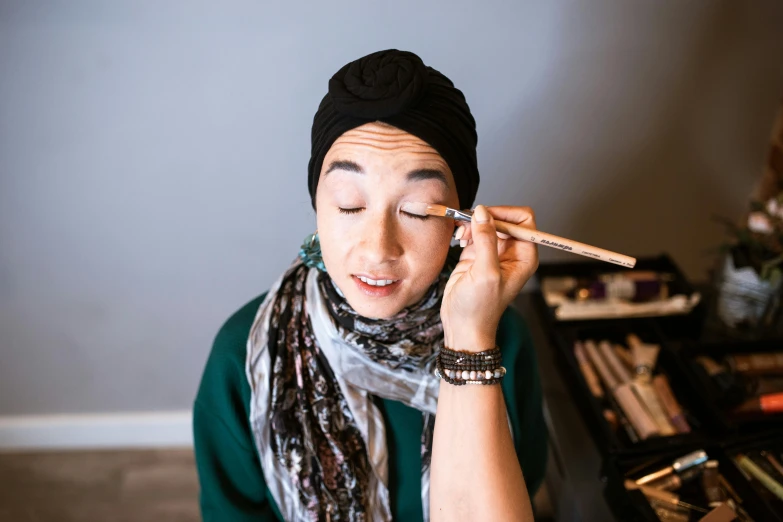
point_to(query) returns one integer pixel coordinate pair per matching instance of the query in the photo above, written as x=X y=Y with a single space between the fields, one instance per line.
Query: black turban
x=395 y=87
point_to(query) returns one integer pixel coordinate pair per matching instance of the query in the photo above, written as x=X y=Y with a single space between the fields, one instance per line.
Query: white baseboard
x=96 y=431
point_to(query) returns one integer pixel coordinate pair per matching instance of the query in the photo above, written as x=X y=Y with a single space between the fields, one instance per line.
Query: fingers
x=463 y=234
x=523 y=216
x=485 y=242
x=518 y=215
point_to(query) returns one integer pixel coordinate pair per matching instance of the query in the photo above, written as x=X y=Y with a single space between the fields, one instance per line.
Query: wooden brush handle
x=575 y=247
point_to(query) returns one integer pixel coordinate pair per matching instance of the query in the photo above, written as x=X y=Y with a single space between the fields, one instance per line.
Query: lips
x=376 y=286
x=377 y=281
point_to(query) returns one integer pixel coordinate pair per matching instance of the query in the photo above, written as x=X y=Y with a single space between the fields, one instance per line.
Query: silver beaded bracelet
x=473 y=377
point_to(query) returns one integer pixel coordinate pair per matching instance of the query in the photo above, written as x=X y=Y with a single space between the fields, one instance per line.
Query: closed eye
x=350 y=210
x=359 y=209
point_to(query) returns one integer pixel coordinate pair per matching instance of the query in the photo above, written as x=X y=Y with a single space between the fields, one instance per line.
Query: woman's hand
x=490 y=273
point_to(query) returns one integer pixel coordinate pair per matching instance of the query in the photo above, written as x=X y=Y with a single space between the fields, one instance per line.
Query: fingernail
x=463 y=243
x=460 y=232
x=481 y=214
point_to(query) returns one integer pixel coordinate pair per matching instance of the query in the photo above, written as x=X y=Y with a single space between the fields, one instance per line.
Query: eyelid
x=415 y=215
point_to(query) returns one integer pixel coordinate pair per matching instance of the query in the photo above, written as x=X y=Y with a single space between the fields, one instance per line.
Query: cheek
x=336 y=238
x=428 y=245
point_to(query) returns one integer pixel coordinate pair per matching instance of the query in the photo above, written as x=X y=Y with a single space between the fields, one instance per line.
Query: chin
x=374 y=308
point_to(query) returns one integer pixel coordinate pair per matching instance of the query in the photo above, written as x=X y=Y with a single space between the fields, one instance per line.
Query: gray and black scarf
x=314 y=366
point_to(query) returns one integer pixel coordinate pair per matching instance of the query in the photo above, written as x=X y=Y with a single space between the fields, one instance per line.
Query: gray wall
x=153 y=155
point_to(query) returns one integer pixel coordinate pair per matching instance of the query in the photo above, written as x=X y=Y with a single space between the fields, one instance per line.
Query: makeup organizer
x=652 y=393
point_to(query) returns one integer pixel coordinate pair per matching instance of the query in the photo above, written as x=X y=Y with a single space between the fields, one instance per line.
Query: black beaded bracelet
x=470 y=361
x=459 y=359
x=488 y=355
x=471 y=355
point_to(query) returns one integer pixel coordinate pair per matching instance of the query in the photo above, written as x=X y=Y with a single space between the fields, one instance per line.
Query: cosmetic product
x=751 y=468
x=668 y=513
x=629 y=403
x=587 y=371
x=773 y=461
x=622 y=373
x=675 y=481
x=622 y=419
x=668 y=483
x=624 y=355
x=634 y=286
x=645 y=357
x=680 y=465
x=756 y=363
x=663 y=496
x=670 y=404
x=730 y=391
x=765 y=404
x=711 y=484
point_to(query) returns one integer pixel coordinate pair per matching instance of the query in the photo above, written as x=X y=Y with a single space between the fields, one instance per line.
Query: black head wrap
x=395 y=87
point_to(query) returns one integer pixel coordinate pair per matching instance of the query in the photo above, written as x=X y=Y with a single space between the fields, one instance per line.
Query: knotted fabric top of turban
x=395 y=87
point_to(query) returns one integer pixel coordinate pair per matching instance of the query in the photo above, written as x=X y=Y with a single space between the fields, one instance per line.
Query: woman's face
x=367 y=175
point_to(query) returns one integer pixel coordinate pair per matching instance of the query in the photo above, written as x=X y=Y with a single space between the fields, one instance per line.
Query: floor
x=105 y=486
x=110 y=486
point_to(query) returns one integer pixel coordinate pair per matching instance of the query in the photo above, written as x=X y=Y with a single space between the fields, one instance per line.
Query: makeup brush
x=524 y=234
x=744 y=463
x=663 y=496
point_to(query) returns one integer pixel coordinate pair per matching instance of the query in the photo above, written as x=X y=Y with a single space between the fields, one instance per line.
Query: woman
x=321 y=399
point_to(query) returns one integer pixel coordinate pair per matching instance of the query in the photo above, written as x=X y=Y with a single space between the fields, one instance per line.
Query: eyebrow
x=414 y=175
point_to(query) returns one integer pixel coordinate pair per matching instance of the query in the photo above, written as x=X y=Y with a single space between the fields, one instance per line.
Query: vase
x=745 y=300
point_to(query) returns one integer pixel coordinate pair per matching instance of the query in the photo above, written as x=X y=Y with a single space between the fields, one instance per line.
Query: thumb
x=485 y=240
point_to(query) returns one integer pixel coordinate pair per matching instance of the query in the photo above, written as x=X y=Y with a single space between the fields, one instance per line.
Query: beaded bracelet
x=458 y=378
x=451 y=358
x=461 y=364
x=460 y=368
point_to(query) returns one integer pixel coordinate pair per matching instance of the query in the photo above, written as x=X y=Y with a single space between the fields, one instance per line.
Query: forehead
x=382 y=142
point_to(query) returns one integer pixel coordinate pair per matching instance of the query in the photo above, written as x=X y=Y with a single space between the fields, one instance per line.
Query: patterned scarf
x=314 y=365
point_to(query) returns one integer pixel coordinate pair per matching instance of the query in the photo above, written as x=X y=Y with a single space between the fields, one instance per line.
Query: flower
x=760 y=222
x=773 y=207
x=758 y=242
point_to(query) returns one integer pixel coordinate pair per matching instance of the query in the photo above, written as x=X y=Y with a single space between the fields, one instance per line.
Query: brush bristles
x=424 y=209
x=437 y=210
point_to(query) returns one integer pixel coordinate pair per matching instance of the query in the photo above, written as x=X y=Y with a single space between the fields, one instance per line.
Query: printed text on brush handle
x=566 y=245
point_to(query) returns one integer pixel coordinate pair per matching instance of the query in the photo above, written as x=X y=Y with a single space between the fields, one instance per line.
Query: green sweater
x=233 y=487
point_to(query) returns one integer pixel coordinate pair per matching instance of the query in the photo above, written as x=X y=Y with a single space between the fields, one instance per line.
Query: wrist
x=469 y=340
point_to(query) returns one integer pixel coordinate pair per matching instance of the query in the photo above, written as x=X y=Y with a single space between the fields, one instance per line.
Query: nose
x=380 y=243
